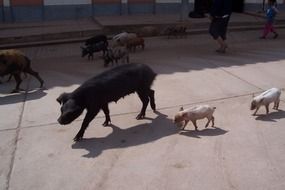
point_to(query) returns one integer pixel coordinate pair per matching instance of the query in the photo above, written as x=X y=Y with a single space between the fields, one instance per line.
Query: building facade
x=42 y=10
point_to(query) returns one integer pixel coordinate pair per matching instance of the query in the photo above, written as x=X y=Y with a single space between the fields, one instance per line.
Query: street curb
x=76 y=37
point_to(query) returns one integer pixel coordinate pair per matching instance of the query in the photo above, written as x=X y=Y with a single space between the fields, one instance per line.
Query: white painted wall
x=6 y=3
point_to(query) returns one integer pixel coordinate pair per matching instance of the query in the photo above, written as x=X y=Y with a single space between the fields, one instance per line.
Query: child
x=270 y=17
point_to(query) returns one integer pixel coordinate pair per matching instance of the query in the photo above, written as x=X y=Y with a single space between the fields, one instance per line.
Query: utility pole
x=184 y=10
x=124 y=7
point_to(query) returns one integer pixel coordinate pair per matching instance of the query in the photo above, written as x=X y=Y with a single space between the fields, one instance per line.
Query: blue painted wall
x=24 y=13
x=167 y=8
x=141 y=8
x=61 y=12
x=109 y=9
x=1 y=14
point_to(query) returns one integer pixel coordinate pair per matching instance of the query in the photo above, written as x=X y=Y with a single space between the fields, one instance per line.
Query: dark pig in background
x=97 y=39
x=96 y=93
x=90 y=50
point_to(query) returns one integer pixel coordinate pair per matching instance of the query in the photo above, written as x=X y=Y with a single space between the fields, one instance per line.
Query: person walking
x=220 y=14
x=270 y=18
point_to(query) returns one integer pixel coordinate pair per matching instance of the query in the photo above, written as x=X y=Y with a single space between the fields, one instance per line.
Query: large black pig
x=96 y=93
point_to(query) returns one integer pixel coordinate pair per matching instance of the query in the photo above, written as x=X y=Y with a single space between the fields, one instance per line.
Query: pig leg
x=10 y=77
x=36 y=75
x=152 y=100
x=106 y=112
x=88 y=118
x=144 y=98
x=195 y=125
x=18 y=82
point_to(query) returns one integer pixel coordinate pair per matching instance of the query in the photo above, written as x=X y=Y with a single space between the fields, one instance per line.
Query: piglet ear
x=181 y=108
x=62 y=98
x=184 y=115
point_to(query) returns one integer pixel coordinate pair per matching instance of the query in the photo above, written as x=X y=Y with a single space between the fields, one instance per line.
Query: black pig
x=96 y=93
x=90 y=50
x=96 y=39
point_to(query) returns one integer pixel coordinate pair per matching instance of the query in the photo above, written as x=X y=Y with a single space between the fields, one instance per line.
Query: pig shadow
x=160 y=127
x=22 y=97
x=211 y=131
x=272 y=116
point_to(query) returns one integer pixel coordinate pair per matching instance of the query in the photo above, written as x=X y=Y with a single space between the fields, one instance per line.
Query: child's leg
x=272 y=29
x=266 y=30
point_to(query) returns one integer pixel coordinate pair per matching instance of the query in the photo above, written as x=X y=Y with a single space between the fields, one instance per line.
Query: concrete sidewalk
x=54 y=32
x=242 y=152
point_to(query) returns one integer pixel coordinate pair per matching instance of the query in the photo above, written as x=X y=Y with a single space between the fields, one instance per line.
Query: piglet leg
x=195 y=125
x=213 y=121
x=185 y=124
x=208 y=123
x=267 y=108
x=256 y=111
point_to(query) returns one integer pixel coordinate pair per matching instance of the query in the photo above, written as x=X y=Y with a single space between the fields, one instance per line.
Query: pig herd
x=96 y=93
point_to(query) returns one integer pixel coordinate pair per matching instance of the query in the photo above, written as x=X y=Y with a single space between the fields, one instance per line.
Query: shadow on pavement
x=20 y=97
x=215 y=131
x=62 y=65
x=160 y=127
x=272 y=117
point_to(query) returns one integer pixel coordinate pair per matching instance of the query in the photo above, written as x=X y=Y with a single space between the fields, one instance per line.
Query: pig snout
x=61 y=121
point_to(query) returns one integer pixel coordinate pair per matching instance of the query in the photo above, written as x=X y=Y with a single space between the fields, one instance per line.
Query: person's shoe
x=275 y=36
x=221 y=50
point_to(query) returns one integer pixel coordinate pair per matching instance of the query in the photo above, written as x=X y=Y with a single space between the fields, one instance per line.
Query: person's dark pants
x=218 y=28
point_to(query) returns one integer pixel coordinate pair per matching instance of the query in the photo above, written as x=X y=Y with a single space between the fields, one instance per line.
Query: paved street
x=242 y=152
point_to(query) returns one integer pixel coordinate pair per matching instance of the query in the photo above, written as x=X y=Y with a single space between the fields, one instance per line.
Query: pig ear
x=181 y=108
x=62 y=98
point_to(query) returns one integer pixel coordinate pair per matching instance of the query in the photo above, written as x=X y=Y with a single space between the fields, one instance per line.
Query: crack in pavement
x=17 y=138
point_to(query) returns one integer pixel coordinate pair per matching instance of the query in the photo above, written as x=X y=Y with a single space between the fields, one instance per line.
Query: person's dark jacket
x=221 y=8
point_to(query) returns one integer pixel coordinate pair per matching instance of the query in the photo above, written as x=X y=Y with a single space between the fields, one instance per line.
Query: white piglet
x=266 y=98
x=193 y=114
